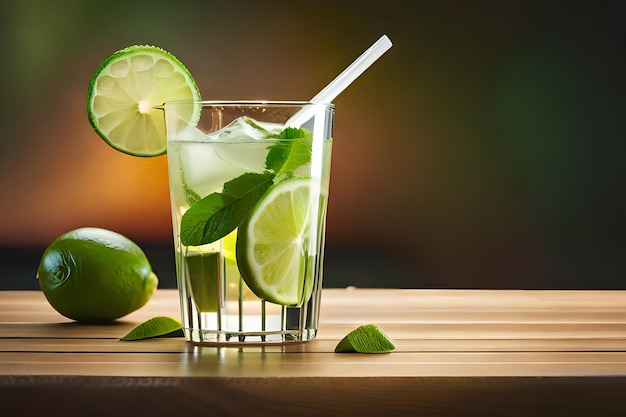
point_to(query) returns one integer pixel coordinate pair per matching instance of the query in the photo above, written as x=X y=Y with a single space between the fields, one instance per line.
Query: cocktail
x=249 y=194
x=249 y=190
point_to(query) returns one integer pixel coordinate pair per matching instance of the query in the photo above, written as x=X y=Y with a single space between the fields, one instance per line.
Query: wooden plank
x=253 y=362
x=18 y=307
x=337 y=331
x=54 y=344
x=400 y=306
x=364 y=298
x=388 y=306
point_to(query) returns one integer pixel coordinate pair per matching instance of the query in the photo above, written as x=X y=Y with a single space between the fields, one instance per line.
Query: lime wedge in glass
x=271 y=243
x=125 y=91
x=203 y=272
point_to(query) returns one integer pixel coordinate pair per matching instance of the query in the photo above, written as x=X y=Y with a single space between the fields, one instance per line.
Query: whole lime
x=94 y=275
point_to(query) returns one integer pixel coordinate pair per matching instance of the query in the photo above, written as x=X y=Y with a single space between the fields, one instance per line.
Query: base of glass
x=222 y=338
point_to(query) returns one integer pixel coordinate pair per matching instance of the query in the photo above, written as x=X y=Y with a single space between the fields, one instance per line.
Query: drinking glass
x=210 y=147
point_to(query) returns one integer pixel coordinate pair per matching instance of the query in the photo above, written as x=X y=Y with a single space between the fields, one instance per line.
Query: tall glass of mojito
x=249 y=190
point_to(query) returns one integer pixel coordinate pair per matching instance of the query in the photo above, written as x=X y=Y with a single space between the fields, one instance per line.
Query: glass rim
x=246 y=103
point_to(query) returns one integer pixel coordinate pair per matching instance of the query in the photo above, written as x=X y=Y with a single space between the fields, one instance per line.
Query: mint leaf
x=365 y=339
x=160 y=326
x=218 y=214
x=291 y=151
x=295 y=133
x=202 y=222
x=245 y=183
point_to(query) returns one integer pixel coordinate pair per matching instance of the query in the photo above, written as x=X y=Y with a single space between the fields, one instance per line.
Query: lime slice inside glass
x=124 y=93
x=272 y=243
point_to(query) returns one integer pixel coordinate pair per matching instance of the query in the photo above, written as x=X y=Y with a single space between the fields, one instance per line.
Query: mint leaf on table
x=160 y=326
x=365 y=339
x=291 y=151
x=218 y=214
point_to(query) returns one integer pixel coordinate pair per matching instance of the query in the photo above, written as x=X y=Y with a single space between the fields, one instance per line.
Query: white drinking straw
x=343 y=80
x=354 y=70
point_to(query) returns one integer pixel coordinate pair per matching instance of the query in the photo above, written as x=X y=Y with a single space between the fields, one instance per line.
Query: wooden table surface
x=459 y=352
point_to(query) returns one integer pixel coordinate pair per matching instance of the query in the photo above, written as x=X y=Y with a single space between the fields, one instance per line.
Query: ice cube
x=204 y=171
x=224 y=154
x=246 y=129
x=192 y=134
x=249 y=157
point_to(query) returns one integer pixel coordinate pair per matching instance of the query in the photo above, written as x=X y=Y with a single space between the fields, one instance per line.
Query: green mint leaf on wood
x=160 y=326
x=218 y=214
x=291 y=151
x=365 y=339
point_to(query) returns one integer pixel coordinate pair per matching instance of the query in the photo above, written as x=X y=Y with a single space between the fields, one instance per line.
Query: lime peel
x=365 y=339
x=160 y=326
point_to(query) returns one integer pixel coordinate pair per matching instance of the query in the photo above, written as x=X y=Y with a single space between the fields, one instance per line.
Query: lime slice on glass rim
x=125 y=93
x=272 y=243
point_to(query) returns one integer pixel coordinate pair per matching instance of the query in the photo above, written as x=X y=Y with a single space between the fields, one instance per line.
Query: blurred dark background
x=484 y=150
